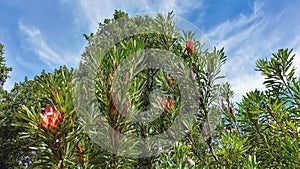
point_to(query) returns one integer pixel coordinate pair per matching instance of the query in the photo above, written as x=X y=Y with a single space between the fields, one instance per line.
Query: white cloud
x=36 y=42
x=91 y=12
x=228 y=28
x=248 y=38
x=245 y=83
x=295 y=43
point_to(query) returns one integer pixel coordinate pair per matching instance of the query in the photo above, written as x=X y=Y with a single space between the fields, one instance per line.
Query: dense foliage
x=44 y=121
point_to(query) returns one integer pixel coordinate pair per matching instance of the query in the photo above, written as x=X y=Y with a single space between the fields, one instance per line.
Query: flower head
x=167 y=104
x=79 y=149
x=231 y=111
x=189 y=46
x=51 y=118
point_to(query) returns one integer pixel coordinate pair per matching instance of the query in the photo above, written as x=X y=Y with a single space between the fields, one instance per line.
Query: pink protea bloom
x=189 y=46
x=167 y=104
x=51 y=118
x=79 y=149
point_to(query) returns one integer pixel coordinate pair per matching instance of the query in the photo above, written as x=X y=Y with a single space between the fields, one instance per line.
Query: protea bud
x=126 y=76
x=189 y=46
x=167 y=104
x=83 y=90
x=113 y=104
x=112 y=109
x=170 y=82
x=170 y=103
x=79 y=150
x=231 y=111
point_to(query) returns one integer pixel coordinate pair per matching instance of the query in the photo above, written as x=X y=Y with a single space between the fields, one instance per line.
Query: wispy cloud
x=94 y=11
x=248 y=38
x=36 y=42
x=295 y=43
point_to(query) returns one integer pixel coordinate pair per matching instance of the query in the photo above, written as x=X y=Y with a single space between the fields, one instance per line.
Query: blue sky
x=46 y=34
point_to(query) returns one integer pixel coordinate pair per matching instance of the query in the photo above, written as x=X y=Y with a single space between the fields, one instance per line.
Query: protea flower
x=113 y=104
x=51 y=118
x=79 y=150
x=84 y=90
x=231 y=111
x=167 y=104
x=170 y=82
x=189 y=46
